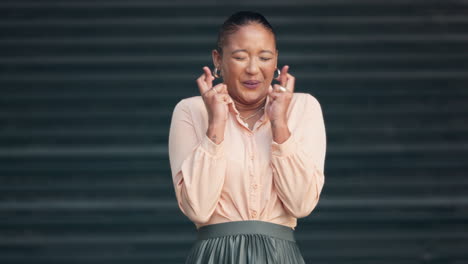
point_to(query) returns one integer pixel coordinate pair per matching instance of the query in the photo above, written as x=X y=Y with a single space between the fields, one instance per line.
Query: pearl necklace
x=247 y=118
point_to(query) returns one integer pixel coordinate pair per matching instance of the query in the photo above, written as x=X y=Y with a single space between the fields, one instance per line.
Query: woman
x=247 y=158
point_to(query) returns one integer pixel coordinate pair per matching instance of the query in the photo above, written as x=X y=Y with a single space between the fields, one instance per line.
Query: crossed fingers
x=286 y=81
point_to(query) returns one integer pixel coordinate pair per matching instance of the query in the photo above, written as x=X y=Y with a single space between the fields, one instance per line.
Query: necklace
x=247 y=118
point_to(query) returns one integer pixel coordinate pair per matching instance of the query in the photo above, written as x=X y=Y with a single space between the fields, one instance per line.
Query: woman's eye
x=238 y=58
x=265 y=59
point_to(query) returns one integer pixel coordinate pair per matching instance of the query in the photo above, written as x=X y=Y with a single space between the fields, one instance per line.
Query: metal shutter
x=87 y=89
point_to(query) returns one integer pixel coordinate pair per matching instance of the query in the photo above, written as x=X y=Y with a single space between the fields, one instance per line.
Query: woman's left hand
x=279 y=100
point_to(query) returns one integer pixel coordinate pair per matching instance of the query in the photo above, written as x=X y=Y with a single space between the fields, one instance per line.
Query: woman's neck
x=246 y=109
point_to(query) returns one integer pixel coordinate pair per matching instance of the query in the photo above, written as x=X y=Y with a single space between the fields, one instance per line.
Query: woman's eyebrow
x=244 y=50
x=239 y=50
x=266 y=51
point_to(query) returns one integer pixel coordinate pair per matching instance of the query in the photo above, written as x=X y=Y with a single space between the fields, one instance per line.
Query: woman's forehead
x=251 y=37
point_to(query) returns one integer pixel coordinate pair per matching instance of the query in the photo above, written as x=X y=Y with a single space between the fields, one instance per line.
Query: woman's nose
x=252 y=68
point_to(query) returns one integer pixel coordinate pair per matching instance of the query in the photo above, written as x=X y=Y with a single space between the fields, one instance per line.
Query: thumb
x=223 y=89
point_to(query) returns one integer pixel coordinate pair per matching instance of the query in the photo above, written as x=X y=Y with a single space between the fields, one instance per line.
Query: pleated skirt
x=245 y=242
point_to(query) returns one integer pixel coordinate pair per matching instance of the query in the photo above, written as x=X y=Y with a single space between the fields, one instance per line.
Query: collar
x=233 y=110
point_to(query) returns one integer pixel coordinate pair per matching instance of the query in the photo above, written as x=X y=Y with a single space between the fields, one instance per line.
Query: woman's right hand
x=216 y=98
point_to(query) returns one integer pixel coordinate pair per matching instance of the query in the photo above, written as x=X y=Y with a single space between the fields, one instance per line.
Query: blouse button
x=254 y=213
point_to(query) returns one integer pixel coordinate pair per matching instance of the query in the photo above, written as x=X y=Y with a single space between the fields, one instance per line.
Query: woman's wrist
x=280 y=130
x=216 y=132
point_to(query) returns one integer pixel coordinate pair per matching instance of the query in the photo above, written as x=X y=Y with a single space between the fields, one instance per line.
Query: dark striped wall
x=87 y=89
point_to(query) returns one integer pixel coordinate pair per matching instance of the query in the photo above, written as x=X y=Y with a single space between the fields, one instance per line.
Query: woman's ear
x=216 y=58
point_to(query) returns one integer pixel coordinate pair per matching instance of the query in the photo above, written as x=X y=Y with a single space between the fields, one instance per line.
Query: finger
x=221 y=88
x=283 y=78
x=202 y=86
x=222 y=98
x=212 y=91
x=291 y=83
x=278 y=90
x=208 y=77
x=272 y=93
x=229 y=99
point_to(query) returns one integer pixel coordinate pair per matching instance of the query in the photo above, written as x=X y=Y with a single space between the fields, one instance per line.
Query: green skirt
x=245 y=242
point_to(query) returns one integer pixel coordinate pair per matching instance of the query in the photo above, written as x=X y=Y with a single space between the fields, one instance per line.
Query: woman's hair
x=237 y=20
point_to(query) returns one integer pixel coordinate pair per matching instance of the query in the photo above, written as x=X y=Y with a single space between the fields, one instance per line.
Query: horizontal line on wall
x=146 y=132
x=350 y=109
x=140 y=237
x=136 y=93
x=47 y=151
x=208 y=3
x=176 y=59
x=92 y=204
x=213 y=20
x=105 y=187
x=121 y=75
x=208 y=39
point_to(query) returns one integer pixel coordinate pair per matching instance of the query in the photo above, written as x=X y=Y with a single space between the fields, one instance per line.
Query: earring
x=279 y=73
x=215 y=72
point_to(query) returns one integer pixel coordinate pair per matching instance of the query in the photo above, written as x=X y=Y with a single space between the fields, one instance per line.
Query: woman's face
x=248 y=63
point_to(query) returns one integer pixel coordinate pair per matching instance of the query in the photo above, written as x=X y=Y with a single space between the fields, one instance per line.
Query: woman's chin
x=252 y=97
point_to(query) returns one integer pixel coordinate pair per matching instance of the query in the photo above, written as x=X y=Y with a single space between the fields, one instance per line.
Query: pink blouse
x=247 y=176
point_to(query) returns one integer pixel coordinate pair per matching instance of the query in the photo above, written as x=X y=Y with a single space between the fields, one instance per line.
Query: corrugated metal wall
x=87 y=89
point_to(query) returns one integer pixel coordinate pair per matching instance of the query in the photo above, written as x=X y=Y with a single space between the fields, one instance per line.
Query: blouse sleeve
x=198 y=166
x=298 y=163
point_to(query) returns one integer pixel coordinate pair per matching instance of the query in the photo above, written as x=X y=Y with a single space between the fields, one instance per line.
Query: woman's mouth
x=252 y=84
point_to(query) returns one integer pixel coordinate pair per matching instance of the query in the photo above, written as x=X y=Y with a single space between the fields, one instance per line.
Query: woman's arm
x=198 y=166
x=298 y=162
